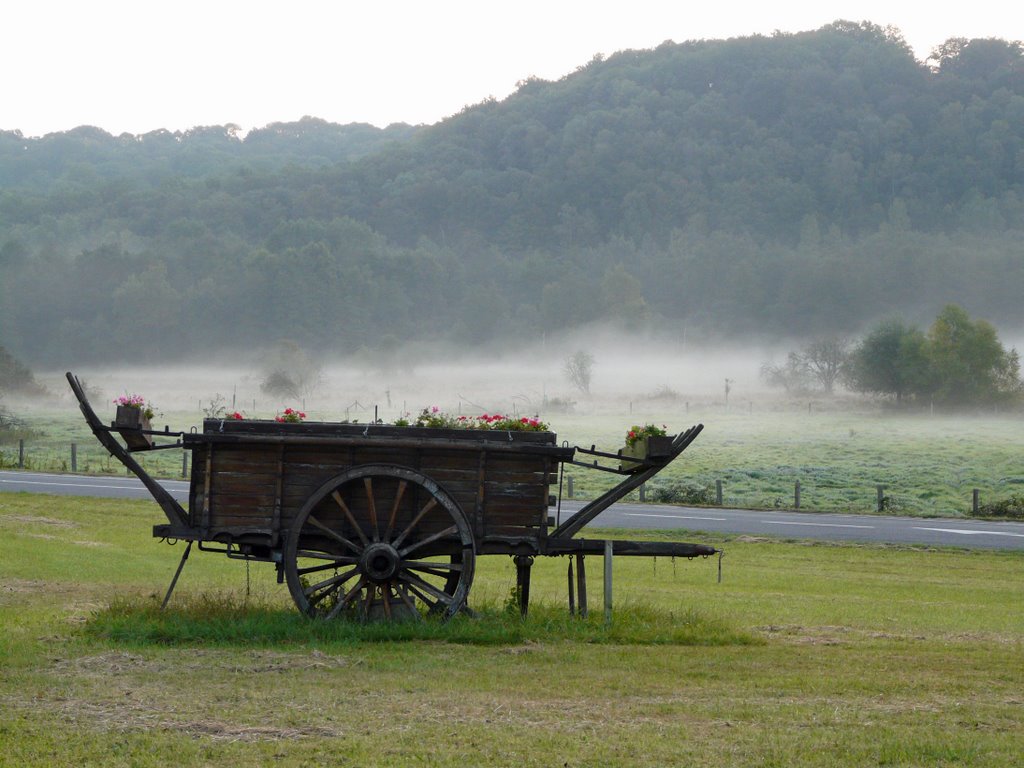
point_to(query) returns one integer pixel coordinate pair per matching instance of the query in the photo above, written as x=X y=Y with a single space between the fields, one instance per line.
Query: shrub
x=680 y=492
x=1010 y=507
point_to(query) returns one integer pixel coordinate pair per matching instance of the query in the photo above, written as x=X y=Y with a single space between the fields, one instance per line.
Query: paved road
x=87 y=485
x=981 y=534
x=797 y=525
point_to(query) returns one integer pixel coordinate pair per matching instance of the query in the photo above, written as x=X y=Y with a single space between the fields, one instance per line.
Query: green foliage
x=436 y=418
x=753 y=185
x=680 y=492
x=968 y=362
x=15 y=376
x=638 y=432
x=958 y=362
x=1011 y=507
x=891 y=360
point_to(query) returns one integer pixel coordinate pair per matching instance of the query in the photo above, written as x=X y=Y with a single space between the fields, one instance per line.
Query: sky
x=137 y=66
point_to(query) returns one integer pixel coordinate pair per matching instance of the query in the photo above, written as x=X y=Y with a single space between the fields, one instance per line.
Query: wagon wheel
x=380 y=541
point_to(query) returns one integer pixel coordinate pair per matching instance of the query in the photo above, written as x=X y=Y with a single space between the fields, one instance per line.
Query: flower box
x=649 y=447
x=129 y=421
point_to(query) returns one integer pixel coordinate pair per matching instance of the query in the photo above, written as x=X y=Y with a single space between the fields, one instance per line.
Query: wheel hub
x=380 y=562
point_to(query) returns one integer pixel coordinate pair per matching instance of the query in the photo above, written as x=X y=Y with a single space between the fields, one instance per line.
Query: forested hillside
x=790 y=185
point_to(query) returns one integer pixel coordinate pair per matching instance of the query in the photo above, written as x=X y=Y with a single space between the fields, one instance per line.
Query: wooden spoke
x=334 y=562
x=408 y=603
x=343 y=603
x=372 y=506
x=426 y=508
x=415 y=582
x=385 y=596
x=337 y=579
x=439 y=565
x=394 y=508
x=348 y=513
x=432 y=605
x=337 y=536
x=429 y=540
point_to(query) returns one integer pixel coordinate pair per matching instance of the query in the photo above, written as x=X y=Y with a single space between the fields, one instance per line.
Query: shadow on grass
x=220 y=620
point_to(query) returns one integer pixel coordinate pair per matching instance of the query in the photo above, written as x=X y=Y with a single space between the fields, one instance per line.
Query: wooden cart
x=374 y=520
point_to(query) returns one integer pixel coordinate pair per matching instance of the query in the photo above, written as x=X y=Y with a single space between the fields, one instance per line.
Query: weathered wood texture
x=240 y=484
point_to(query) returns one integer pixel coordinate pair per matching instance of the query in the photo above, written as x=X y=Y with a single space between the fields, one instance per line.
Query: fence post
x=718 y=492
x=569 y=478
x=74 y=457
x=881 y=498
x=184 y=463
x=975 y=500
x=21 y=453
x=796 y=495
x=643 y=492
x=608 y=549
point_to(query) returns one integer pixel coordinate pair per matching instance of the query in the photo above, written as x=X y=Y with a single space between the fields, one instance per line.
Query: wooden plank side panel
x=196 y=497
x=516 y=496
x=244 y=482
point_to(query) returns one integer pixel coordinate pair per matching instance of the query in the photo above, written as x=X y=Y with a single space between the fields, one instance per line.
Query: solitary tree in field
x=791 y=375
x=826 y=359
x=891 y=360
x=822 y=361
x=969 y=363
x=290 y=371
x=579 y=368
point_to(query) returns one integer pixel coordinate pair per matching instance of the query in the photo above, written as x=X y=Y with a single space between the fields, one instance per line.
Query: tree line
x=785 y=185
x=957 y=361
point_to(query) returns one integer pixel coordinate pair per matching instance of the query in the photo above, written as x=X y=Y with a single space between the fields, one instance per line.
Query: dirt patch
x=518 y=650
x=22 y=586
x=273 y=661
x=126 y=715
x=38 y=520
x=122 y=662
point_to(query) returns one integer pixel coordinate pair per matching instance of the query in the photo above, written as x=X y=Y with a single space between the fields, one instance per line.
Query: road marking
x=73 y=485
x=817 y=525
x=675 y=517
x=968 y=532
x=96 y=486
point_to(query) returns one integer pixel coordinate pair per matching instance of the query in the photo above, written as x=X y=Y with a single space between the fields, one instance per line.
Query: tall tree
x=891 y=360
x=969 y=363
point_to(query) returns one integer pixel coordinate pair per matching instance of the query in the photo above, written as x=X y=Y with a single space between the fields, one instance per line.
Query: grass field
x=929 y=465
x=805 y=655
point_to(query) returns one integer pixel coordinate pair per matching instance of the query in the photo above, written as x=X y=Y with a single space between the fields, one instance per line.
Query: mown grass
x=805 y=655
x=224 y=619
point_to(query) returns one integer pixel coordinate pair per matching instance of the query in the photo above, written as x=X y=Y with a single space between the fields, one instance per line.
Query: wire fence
x=89 y=458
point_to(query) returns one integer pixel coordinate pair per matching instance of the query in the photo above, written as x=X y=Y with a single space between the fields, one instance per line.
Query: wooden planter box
x=130 y=422
x=646 y=448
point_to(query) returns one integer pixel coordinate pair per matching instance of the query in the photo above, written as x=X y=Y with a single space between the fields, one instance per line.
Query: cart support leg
x=581 y=585
x=177 y=573
x=523 y=565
